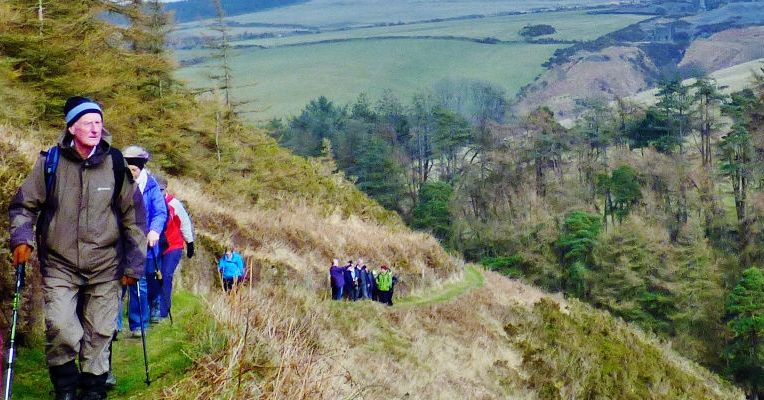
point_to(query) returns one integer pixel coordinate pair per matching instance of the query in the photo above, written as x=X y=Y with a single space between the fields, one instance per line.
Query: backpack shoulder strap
x=120 y=171
x=51 y=164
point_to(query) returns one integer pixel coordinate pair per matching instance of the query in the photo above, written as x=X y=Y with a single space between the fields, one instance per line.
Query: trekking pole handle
x=21 y=275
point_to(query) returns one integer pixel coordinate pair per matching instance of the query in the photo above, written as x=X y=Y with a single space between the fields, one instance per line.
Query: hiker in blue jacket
x=231 y=267
x=156 y=217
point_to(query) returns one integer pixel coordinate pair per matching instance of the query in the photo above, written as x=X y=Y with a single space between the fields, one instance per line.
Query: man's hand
x=190 y=249
x=128 y=281
x=21 y=254
x=152 y=238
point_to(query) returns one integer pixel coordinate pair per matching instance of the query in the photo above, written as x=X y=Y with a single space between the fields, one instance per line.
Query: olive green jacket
x=87 y=240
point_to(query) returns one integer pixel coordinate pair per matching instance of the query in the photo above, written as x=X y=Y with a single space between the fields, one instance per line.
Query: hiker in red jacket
x=178 y=233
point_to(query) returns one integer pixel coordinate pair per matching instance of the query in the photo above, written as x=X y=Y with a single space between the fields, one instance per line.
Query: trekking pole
x=12 y=347
x=143 y=335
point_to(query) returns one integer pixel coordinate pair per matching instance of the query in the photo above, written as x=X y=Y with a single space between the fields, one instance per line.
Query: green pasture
x=286 y=78
x=570 y=25
x=334 y=13
x=199 y=29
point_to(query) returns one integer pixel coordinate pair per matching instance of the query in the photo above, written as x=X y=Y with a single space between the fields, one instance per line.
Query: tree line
x=651 y=212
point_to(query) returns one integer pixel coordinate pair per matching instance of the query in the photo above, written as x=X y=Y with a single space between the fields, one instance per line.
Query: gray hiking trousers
x=80 y=321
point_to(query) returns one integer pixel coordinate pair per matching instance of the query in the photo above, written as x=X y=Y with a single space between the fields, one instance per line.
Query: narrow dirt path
x=473 y=278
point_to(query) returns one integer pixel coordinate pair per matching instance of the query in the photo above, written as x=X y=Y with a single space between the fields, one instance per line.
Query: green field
x=570 y=25
x=288 y=77
x=340 y=64
x=342 y=13
x=200 y=30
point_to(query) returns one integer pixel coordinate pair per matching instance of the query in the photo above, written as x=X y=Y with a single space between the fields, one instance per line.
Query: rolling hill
x=455 y=332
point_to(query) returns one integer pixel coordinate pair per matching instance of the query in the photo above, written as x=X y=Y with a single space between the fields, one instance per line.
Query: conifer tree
x=745 y=350
x=708 y=99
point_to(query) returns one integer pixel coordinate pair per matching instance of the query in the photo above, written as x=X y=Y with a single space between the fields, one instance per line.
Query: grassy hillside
x=456 y=333
x=287 y=78
x=441 y=327
x=730 y=80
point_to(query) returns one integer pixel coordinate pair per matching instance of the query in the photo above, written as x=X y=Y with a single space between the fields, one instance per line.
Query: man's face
x=87 y=130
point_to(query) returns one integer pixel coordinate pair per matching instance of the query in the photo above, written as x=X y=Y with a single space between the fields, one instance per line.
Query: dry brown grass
x=280 y=338
x=302 y=241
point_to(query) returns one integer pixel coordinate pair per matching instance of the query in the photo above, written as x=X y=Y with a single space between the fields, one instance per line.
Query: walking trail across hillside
x=473 y=279
x=170 y=346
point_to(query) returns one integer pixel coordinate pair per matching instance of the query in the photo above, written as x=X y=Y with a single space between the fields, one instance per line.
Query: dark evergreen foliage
x=531 y=31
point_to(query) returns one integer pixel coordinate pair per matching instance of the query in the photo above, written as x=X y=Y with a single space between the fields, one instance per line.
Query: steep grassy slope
x=282 y=337
x=724 y=49
x=730 y=80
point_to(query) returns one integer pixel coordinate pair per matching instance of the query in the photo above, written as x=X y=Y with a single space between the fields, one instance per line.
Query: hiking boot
x=92 y=396
x=111 y=380
x=93 y=386
x=66 y=395
x=65 y=378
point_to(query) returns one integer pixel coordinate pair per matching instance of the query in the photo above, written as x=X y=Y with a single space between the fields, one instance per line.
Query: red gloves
x=21 y=254
x=128 y=281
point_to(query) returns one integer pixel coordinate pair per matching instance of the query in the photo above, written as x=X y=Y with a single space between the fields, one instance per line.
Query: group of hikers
x=103 y=225
x=358 y=282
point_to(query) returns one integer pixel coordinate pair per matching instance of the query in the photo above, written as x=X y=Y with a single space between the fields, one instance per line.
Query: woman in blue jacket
x=231 y=267
x=156 y=217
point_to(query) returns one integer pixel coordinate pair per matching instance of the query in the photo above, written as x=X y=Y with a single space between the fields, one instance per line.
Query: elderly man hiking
x=89 y=238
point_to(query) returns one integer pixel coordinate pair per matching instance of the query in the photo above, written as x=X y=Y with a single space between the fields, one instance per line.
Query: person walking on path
x=337 y=279
x=231 y=267
x=371 y=282
x=351 y=282
x=89 y=237
x=156 y=218
x=178 y=233
x=360 y=273
x=385 y=285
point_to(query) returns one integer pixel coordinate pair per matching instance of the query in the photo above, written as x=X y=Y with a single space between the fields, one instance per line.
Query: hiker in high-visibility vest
x=385 y=285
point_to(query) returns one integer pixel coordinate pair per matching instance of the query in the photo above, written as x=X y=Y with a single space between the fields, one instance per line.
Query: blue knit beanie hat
x=77 y=106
